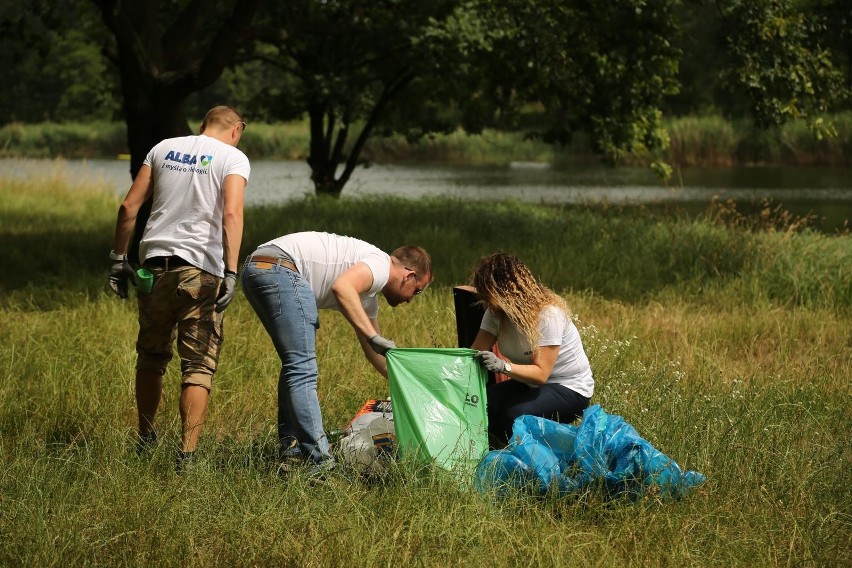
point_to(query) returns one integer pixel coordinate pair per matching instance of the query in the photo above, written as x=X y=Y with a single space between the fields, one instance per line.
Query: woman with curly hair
x=549 y=371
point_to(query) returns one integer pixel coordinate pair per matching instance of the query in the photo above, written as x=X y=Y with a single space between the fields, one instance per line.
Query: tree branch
x=225 y=42
x=388 y=93
x=129 y=42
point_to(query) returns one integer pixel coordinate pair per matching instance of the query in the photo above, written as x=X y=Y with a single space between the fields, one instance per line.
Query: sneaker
x=289 y=448
x=318 y=473
x=144 y=442
x=290 y=458
x=185 y=461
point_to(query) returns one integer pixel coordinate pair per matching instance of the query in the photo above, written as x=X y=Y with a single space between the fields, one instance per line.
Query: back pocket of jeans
x=266 y=298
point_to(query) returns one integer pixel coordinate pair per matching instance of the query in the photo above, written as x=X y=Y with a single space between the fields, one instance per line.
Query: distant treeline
x=695 y=141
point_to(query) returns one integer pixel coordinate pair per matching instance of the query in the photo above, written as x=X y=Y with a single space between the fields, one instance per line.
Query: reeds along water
x=695 y=141
x=714 y=141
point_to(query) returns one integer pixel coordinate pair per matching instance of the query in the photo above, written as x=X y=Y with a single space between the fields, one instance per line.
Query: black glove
x=381 y=345
x=491 y=361
x=226 y=291
x=119 y=273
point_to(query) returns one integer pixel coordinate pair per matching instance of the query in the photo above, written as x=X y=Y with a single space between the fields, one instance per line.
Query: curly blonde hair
x=505 y=284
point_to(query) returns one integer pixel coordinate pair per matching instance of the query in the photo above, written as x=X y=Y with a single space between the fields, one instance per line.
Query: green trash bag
x=438 y=398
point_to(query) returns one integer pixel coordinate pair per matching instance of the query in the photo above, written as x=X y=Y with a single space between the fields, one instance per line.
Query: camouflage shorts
x=181 y=306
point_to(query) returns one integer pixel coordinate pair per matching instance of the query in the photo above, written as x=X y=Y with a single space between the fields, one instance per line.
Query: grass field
x=727 y=345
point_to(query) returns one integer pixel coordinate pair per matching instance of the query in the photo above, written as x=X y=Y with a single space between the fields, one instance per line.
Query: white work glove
x=491 y=361
x=381 y=345
x=226 y=291
x=119 y=273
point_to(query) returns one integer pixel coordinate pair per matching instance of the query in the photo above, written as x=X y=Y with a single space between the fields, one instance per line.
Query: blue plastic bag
x=604 y=448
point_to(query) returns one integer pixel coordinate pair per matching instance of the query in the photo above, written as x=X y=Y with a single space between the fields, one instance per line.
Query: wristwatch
x=117 y=257
x=507 y=368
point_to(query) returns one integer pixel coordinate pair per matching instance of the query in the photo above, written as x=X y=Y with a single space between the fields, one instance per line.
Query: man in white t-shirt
x=287 y=280
x=191 y=245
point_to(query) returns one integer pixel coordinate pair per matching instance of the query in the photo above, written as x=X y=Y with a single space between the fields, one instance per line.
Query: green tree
x=767 y=60
x=51 y=65
x=343 y=63
x=776 y=58
x=603 y=68
x=700 y=40
x=837 y=18
x=423 y=67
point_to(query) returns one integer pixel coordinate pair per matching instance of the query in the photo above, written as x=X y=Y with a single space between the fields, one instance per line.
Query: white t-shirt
x=571 y=368
x=186 y=214
x=322 y=257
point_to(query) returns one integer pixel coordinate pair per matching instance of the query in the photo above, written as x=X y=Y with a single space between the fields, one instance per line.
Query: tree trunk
x=328 y=140
x=150 y=118
x=322 y=161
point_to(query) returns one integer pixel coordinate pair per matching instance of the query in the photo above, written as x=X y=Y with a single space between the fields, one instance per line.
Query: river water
x=825 y=193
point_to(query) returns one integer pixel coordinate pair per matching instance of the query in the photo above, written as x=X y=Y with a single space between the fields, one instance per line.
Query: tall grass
x=726 y=346
x=695 y=141
x=68 y=140
x=283 y=141
x=715 y=141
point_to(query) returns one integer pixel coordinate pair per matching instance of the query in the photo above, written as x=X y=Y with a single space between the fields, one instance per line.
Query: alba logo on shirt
x=187 y=159
x=173 y=156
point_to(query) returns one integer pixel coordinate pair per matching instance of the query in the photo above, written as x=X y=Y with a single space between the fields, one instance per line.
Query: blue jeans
x=285 y=304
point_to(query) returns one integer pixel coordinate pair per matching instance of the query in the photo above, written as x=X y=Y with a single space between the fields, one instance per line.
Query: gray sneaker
x=290 y=458
x=186 y=462
x=319 y=472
